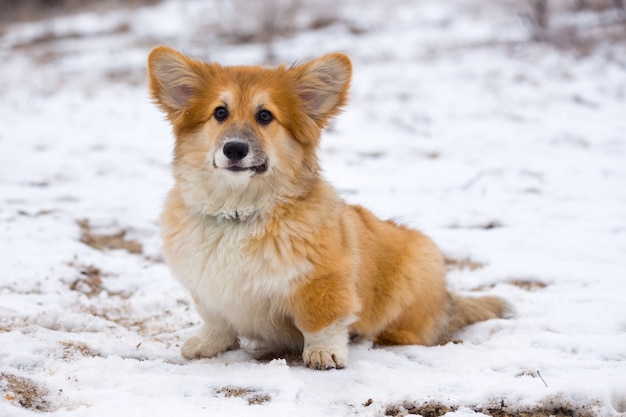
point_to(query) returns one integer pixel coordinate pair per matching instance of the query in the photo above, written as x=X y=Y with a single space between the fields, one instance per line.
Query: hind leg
x=419 y=324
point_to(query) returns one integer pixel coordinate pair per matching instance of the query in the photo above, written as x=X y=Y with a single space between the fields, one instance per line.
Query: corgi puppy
x=266 y=247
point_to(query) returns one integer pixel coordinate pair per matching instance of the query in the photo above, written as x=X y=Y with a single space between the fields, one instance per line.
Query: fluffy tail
x=465 y=310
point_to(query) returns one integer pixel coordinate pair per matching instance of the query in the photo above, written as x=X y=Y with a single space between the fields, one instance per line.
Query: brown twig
x=542 y=380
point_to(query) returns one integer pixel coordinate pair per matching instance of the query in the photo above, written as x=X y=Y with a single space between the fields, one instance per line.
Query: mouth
x=258 y=169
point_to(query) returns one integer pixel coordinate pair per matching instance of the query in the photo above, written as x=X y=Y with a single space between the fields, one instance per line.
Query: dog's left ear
x=323 y=85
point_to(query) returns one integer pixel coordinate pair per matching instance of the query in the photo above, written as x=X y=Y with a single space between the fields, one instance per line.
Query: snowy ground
x=511 y=155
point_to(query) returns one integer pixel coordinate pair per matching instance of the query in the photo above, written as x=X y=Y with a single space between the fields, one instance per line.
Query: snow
x=509 y=154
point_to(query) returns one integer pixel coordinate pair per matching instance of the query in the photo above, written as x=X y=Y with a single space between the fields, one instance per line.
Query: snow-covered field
x=510 y=154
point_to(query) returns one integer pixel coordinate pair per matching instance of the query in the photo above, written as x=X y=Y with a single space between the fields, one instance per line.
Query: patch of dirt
x=116 y=307
x=436 y=409
x=72 y=349
x=24 y=392
x=492 y=224
x=89 y=282
x=522 y=283
x=463 y=264
x=253 y=396
x=433 y=409
x=558 y=411
x=528 y=285
x=291 y=358
x=120 y=314
x=104 y=241
x=35 y=214
x=5 y=328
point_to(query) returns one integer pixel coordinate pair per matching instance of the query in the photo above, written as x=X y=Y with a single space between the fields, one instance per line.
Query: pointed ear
x=173 y=78
x=323 y=85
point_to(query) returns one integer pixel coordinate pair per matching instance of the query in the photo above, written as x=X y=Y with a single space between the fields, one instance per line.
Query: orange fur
x=266 y=247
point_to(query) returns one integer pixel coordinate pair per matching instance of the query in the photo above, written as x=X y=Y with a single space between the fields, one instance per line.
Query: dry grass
x=269 y=20
x=32 y=10
x=576 y=25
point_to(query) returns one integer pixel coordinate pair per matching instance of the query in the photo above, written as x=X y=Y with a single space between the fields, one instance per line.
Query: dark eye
x=220 y=113
x=264 y=117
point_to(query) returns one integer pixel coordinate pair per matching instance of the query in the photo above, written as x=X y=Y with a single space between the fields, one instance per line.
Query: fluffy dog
x=265 y=246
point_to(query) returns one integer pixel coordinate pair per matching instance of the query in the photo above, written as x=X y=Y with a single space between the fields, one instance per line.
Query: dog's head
x=246 y=133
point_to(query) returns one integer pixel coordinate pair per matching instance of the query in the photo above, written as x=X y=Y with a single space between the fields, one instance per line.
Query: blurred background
x=497 y=127
x=573 y=23
x=578 y=27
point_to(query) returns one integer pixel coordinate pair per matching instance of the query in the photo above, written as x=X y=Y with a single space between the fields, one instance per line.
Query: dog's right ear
x=173 y=78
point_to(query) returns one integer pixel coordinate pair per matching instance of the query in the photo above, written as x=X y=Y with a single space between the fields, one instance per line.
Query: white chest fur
x=214 y=261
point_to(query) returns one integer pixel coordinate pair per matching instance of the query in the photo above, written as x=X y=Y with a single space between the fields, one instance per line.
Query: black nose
x=235 y=151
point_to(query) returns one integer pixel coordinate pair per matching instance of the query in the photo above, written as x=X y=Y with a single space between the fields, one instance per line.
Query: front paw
x=327 y=348
x=206 y=345
x=324 y=359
